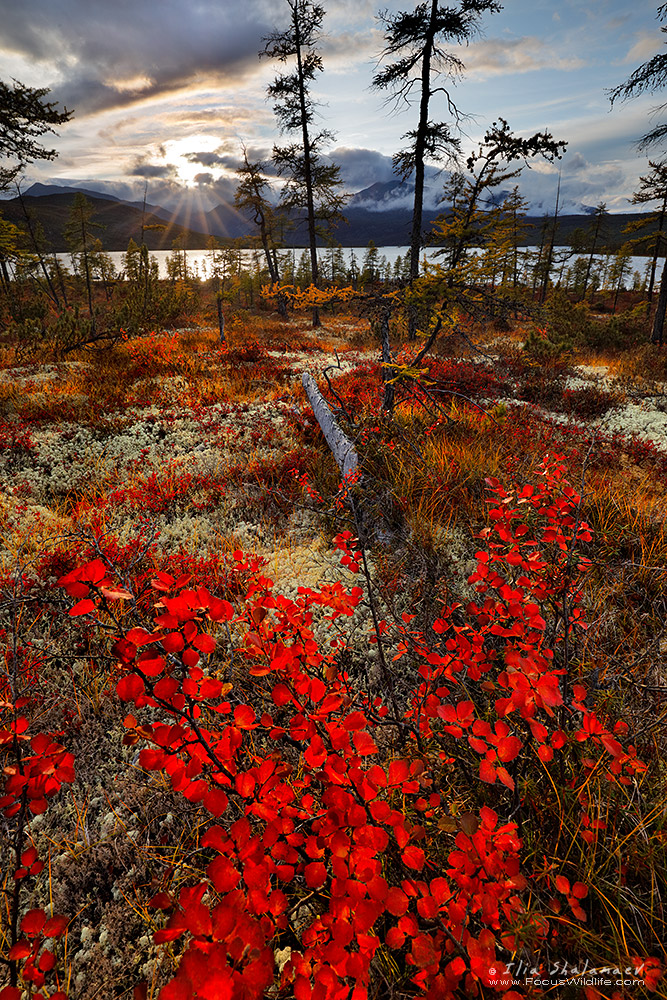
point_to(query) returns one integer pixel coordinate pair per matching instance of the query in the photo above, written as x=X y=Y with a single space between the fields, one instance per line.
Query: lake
x=199 y=261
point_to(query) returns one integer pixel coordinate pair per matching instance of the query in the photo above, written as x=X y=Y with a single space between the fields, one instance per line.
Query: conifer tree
x=595 y=235
x=312 y=185
x=416 y=66
x=24 y=117
x=652 y=187
x=474 y=218
x=648 y=78
x=252 y=196
x=80 y=239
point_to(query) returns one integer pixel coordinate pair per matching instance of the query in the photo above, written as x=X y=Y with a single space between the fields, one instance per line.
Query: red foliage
x=321 y=822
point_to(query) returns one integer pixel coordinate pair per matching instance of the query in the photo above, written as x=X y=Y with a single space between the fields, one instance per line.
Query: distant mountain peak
x=38 y=190
x=381 y=191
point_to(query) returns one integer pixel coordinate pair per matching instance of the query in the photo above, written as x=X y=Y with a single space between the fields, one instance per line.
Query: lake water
x=199 y=261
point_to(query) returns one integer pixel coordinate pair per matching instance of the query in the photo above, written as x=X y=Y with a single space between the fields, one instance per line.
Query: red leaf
x=396 y=902
x=395 y=938
x=177 y=989
x=611 y=745
x=220 y=611
x=190 y=658
x=398 y=771
x=505 y=777
x=150 y=664
x=204 y=643
x=140 y=637
x=173 y=642
x=562 y=884
x=84 y=607
x=423 y=951
x=223 y=874
x=357 y=720
x=281 y=695
x=487 y=771
x=509 y=748
x=161 y=901
x=46 y=961
x=130 y=687
x=413 y=857
x=216 y=801
x=244 y=717
x=56 y=926
x=33 y=922
x=364 y=744
x=11 y=992
x=245 y=784
x=29 y=856
x=19 y=950
x=315 y=874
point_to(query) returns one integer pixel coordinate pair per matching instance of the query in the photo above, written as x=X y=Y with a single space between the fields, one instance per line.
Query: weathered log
x=341 y=447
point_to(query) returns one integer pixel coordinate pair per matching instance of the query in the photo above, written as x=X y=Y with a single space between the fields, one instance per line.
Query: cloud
x=143 y=168
x=575 y=163
x=359 y=168
x=208 y=159
x=644 y=48
x=583 y=185
x=495 y=56
x=136 y=50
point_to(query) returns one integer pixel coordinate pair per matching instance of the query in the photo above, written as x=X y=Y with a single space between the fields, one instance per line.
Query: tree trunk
x=221 y=319
x=661 y=308
x=307 y=168
x=37 y=249
x=656 y=254
x=387 y=369
x=420 y=147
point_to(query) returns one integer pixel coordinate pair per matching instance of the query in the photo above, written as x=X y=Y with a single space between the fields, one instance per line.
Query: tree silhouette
x=311 y=184
x=24 y=116
x=648 y=78
x=415 y=71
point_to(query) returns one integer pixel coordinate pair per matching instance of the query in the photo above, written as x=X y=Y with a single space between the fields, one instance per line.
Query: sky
x=168 y=91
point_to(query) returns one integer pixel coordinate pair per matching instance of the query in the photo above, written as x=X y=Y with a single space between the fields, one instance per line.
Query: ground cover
x=252 y=763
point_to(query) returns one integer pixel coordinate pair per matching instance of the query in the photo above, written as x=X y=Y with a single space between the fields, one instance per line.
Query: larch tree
x=81 y=242
x=416 y=64
x=252 y=197
x=649 y=78
x=595 y=235
x=312 y=185
x=24 y=117
x=475 y=217
x=652 y=188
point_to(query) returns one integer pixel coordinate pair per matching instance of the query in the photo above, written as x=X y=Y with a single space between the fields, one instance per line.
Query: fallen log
x=342 y=448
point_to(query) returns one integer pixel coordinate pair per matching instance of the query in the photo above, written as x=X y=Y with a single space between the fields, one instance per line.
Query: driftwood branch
x=341 y=447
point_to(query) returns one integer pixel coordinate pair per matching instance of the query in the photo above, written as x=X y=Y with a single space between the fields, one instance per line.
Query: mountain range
x=380 y=213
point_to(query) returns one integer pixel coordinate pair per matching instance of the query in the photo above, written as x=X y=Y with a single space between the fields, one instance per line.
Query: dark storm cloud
x=108 y=55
